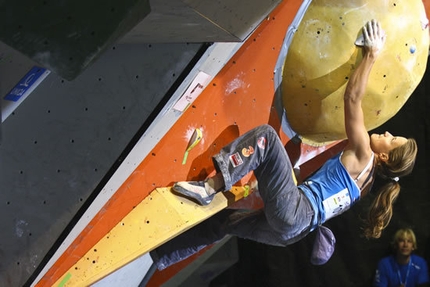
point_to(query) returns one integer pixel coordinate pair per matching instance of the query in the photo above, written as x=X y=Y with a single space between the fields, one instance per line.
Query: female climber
x=291 y=212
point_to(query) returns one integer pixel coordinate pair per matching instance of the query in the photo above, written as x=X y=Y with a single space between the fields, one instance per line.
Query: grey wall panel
x=174 y=21
x=239 y=18
x=66 y=36
x=60 y=142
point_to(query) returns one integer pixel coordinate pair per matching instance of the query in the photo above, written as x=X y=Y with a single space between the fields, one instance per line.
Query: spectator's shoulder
x=418 y=259
x=384 y=261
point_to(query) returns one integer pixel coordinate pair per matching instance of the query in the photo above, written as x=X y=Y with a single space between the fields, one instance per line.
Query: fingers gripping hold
x=374 y=37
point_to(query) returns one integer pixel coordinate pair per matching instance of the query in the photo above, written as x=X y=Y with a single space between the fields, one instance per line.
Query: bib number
x=336 y=204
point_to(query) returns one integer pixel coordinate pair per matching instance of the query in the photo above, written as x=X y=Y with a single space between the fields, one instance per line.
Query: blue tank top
x=331 y=190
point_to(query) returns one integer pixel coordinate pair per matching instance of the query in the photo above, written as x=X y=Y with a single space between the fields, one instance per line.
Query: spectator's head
x=404 y=241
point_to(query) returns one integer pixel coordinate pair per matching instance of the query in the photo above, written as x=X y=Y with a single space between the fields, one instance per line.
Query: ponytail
x=381 y=209
x=401 y=161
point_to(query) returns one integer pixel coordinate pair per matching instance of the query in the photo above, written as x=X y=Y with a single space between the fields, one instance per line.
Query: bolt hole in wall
x=56 y=142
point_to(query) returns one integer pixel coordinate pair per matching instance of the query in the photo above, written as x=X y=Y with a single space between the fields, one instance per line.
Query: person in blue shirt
x=402 y=268
x=291 y=212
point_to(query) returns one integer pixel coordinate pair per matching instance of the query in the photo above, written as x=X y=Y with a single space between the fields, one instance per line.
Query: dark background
x=355 y=258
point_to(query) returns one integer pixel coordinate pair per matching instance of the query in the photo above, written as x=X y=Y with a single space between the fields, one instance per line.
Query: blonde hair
x=401 y=161
x=403 y=233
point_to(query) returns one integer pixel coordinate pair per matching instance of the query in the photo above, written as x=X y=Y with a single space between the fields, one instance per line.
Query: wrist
x=370 y=56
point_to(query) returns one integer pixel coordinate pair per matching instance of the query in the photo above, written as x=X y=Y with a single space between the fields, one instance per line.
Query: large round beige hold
x=322 y=56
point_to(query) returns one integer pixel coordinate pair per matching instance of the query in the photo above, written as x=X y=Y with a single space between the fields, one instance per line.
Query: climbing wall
x=222 y=111
x=61 y=145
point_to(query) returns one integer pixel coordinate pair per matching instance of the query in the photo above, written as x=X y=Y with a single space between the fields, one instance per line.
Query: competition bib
x=336 y=204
